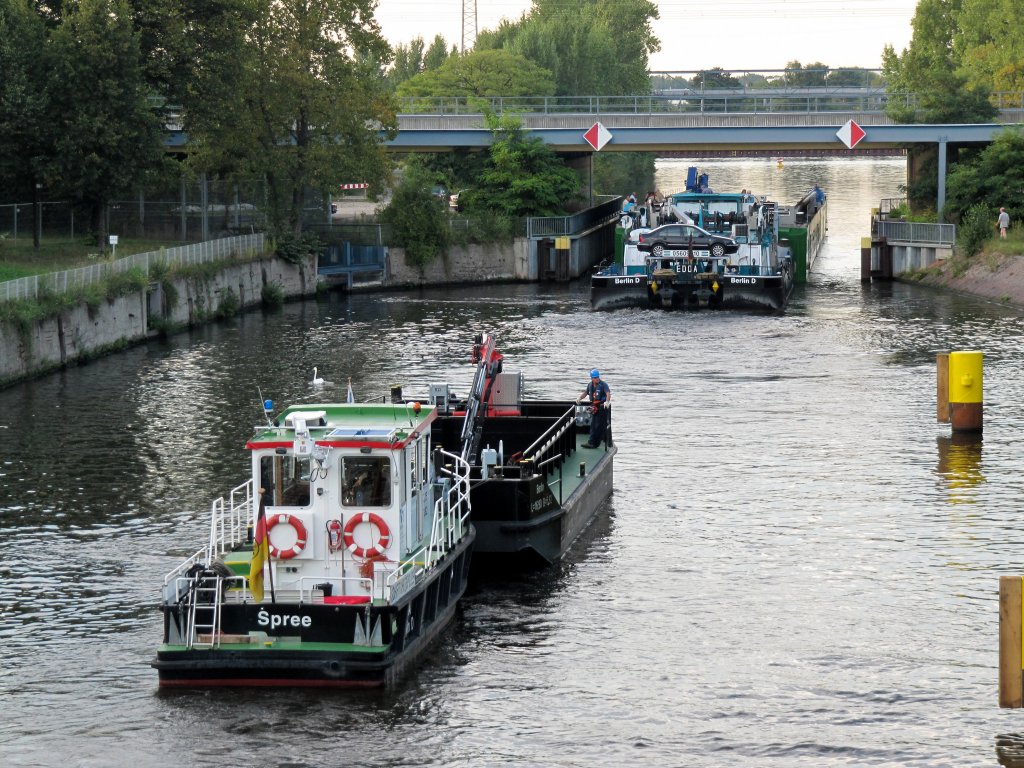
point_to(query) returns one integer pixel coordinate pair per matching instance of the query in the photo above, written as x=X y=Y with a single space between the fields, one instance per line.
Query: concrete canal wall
x=488 y=263
x=84 y=332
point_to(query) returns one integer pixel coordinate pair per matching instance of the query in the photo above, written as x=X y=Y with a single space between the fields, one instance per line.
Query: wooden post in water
x=1011 y=684
x=865 y=259
x=942 y=387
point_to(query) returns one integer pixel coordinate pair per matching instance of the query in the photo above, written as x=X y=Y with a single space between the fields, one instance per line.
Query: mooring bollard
x=965 y=391
x=1011 y=680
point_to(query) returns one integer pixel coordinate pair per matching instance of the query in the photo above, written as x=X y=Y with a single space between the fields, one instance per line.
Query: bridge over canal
x=767 y=121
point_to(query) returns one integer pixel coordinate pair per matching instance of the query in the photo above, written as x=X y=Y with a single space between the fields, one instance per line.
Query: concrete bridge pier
x=583 y=164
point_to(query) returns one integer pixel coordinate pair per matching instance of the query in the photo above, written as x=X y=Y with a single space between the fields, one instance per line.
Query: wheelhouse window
x=285 y=480
x=366 y=481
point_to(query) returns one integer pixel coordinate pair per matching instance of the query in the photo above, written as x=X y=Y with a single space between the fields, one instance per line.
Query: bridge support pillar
x=584 y=166
x=940 y=201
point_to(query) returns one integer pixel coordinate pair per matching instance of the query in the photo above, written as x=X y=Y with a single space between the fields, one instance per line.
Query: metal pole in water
x=965 y=391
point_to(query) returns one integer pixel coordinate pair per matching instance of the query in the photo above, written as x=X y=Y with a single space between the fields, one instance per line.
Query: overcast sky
x=698 y=34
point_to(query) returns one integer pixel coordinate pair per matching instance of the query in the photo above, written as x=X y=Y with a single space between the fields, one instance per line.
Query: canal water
x=798 y=566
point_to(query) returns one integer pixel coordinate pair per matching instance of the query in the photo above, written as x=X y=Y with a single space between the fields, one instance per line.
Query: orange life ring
x=382 y=528
x=300 y=536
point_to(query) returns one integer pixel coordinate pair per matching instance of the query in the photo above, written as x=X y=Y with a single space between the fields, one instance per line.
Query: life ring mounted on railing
x=300 y=535
x=383 y=539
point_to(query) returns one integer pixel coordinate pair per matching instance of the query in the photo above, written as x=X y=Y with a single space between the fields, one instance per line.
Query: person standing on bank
x=600 y=396
x=1003 y=222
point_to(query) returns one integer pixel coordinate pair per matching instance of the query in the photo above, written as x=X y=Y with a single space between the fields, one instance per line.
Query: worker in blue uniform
x=600 y=396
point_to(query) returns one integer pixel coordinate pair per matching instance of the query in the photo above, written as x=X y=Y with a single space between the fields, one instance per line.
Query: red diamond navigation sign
x=597 y=136
x=851 y=134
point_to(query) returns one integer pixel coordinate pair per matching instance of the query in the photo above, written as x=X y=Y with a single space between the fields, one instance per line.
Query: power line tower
x=468 y=25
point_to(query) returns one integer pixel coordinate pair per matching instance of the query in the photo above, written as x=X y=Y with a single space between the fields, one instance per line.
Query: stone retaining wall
x=493 y=262
x=81 y=333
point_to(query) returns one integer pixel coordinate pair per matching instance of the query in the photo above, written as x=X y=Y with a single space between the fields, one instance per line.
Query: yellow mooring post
x=965 y=393
x=942 y=387
x=1011 y=679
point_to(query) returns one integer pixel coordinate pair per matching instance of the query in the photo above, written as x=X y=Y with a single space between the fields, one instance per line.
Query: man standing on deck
x=600 y=401
x=1003 y=222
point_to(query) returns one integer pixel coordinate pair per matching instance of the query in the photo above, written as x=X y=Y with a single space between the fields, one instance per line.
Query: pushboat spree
x=534 y=486
x=341 y=572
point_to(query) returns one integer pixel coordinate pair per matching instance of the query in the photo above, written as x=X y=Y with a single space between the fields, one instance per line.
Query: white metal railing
x=228 y=526
x=195 y=253
x=450 y=523
x=230 y=518
x=917 y=232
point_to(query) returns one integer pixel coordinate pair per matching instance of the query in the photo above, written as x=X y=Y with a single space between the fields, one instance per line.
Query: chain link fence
x=191 y=211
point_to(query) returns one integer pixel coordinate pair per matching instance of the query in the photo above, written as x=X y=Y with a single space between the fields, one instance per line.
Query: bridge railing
x=740 y=100
x=717 y=101
x=917 y=232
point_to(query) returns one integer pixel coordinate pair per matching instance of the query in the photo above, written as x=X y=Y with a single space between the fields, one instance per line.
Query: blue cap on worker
x=595 y=374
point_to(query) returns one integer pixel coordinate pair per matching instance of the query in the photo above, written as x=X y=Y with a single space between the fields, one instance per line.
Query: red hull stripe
x=254 y=445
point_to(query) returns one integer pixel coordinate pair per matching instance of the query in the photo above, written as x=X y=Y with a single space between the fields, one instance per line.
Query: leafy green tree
x=437 y=54
x=715 y=78
x=305 y=102
x=419 y=221
x=112 y=140
x=799 y=76
x=988 y=43
x=415 y=58
x=592 y=47
x=991 y=178
x=929 y=71
x=619 y=173
x=524 y=176
x=408 y=62
x=23 y=103
x=975 y=228
x=482 y=73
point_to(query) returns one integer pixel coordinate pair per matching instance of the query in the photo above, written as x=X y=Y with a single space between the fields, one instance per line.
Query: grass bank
x=19 y=259
x=996 y=272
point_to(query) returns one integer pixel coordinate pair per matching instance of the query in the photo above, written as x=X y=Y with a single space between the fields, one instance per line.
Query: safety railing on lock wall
x=916 y=232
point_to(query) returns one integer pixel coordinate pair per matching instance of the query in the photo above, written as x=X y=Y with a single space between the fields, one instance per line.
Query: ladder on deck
x=204 y=610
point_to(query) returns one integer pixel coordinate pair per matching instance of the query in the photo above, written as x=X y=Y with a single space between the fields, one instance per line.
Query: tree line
x=963 y=55
x=288 y=91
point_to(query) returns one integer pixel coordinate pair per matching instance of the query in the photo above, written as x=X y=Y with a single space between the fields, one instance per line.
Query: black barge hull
x=727 y=291
x=529 y=512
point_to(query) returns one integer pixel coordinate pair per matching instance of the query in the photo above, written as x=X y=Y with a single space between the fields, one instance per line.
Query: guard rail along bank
x=86 y=330
x=896 y=247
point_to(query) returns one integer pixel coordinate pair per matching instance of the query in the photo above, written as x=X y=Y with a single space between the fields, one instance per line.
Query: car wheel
x=718 y=250
x=658 y=251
